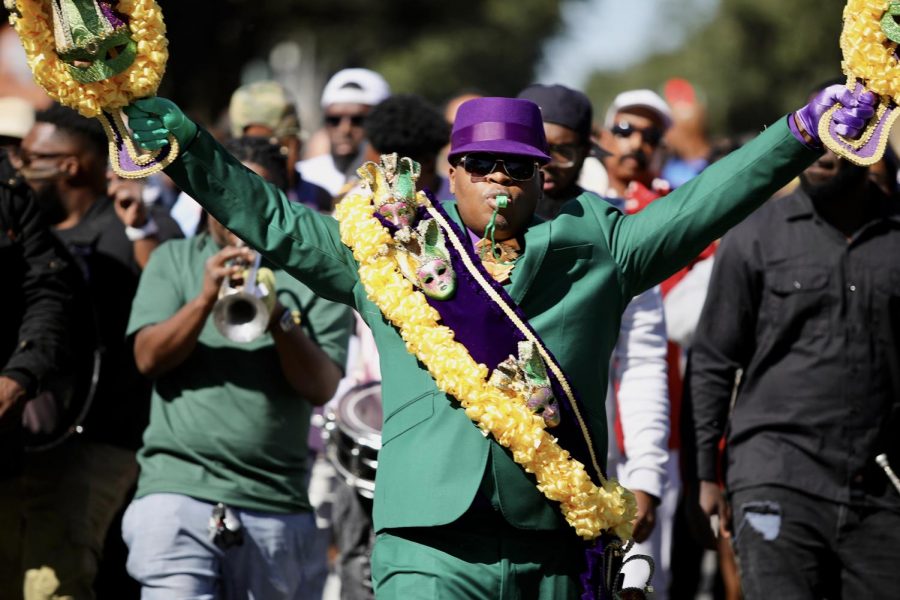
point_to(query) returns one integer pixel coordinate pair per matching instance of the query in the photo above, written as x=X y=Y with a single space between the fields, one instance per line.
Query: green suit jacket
x=573 y=281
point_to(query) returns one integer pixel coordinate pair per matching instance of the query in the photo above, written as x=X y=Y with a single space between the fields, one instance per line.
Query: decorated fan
x=97 y=56
x=869 y=42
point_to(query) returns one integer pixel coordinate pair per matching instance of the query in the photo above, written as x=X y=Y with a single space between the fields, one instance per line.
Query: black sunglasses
x=335 y=120
x=518 y=168
x=650 y=135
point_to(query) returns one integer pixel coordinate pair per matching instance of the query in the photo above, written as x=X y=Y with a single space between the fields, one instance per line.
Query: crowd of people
x=754 y=375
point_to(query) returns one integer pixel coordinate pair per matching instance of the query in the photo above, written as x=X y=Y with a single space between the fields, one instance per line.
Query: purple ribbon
x=125 y=161
x=867 y=151
x=490 y=336
x=593 y=583
x=487 y=131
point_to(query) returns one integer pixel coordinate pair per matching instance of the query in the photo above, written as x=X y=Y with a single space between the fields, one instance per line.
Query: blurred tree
x=432 y=47
x=756 y=61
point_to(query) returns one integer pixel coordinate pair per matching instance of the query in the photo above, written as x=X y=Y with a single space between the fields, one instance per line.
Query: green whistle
x=502 y=201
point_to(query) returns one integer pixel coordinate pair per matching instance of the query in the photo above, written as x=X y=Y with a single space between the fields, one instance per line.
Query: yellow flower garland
x=868 y=53
x=589 y=509
x=141 y=79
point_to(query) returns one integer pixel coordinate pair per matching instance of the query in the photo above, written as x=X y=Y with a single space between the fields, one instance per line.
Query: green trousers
x=490 y=562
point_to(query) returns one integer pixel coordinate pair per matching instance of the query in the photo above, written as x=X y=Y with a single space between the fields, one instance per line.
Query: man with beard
x=803 y=303
x=72 y=491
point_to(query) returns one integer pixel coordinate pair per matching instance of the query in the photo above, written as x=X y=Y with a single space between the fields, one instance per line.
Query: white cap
x=639 y=98
x=355 y=86
x=16 y=117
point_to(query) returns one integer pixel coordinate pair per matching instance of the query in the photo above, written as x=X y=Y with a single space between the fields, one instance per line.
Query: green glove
x=151 y=120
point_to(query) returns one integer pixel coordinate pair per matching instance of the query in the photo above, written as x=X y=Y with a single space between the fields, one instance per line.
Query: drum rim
x=371 y=437
x=360 y=433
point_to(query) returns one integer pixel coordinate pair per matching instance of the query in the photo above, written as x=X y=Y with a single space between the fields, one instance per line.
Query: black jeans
x=793 y=546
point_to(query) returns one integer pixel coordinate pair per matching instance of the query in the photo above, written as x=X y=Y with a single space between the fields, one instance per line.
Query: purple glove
x=857 y=107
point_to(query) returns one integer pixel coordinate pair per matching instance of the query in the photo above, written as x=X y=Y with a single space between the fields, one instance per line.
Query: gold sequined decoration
x=500 y=263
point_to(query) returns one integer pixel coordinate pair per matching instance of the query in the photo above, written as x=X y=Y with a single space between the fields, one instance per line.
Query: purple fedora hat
x=499 y=126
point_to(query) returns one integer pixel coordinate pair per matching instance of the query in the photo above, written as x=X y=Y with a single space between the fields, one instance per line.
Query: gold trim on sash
x=590 y=509
x=548 y=359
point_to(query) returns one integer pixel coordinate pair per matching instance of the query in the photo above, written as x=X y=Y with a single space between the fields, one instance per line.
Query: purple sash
x=490 y=336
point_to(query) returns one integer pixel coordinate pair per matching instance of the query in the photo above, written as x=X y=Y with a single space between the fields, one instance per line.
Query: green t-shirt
x=225 y=425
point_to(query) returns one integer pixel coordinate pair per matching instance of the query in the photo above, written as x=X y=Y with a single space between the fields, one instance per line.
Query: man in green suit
x=455 y=516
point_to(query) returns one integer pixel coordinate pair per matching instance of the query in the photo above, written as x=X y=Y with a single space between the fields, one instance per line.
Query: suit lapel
x=537 y=240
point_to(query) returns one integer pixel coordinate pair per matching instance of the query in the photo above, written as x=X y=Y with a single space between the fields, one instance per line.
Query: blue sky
x=606 y=35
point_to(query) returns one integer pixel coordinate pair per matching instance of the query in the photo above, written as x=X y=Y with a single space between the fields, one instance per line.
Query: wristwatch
x=288 y=320
x=135 y=234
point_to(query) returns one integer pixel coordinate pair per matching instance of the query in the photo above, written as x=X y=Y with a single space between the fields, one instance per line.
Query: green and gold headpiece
x=92 y=39
x=98 y=56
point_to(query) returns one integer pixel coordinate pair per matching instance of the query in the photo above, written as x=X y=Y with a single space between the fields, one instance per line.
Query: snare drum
x=352 y=434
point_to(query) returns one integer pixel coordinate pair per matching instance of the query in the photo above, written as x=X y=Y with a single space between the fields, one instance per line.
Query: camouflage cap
x=263 y=103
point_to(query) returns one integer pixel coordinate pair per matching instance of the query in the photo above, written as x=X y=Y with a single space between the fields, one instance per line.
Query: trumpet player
x=221 y=507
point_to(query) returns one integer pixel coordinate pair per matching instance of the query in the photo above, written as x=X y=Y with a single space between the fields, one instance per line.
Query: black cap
x=563 y=106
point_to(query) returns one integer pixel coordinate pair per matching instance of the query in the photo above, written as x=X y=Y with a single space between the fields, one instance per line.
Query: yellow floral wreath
x=589 y=509
x=868 y=53
x=34 y=24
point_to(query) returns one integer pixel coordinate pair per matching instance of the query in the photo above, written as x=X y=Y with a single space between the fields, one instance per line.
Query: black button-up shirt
x=98 y=245
x=812 y=320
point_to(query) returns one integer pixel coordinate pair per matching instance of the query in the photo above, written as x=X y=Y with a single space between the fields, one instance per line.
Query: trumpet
x=242 y=312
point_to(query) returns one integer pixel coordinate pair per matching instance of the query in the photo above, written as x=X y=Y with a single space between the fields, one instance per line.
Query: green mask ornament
x=393 y=183
x=527 y=376
x=435 y=275
x=92 y=39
